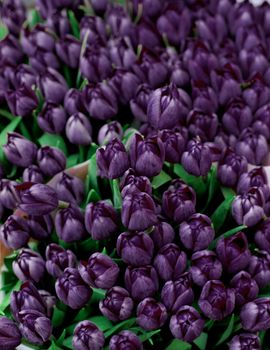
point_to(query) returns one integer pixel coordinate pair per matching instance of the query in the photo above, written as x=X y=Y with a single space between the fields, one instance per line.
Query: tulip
x=174 y=144
x=51 y=160
x=147 y=34
x=255 y=315
x=117 y=305
x=204 y=97
x=49 y=301
x=10 y=336
x=32 y=174
x=119 y=21
x=203 y=125
x=68 y=50
x=246 y=289
x=124 y=340
x=58 y=22
x=99 y=271
x=7 y=198
x=70 y=188
x=257 y=93
x=162 y=234
x=262 y=120
x=245 y=341
x=254 y=178
x=212 y=29
x=42 y=60
x=22 y=101
x=150 y=8
x=87 y=336
x=122 y=53
x=25 y=75
x=71 y=289
x=131 y=183
x=73 y=102
x=13 y=15
x=58 y=259
x=52 y=86
x=259 y=268
x=151 y=314
x=40 y=227
x=38 y=38
x=95 y=29
x=108 y=132
x=262 y=236
x=10 y=51
x=139 y=103
x=79 y=129
x=124 y=84
x=52 y=118
x=14 y=232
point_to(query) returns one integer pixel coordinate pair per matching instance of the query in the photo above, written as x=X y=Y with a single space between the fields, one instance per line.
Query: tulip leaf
x=72 y=160
x=101 y=322
x=92 y=174
x=93 y=196
x=74 y=24
x=88 y=245
x=53 y=141
x=212 y=185
x=221 y=213
x=57 y=317
x=201 y=341
x=9 y=128
x=61 y=338
x=9 y=260
x=33 y=18
x=122 y=325
x=198 y=184
x=3 y=31
x=227 y=192
x=227 y=234
x=148 y=335
x=54 y=346
x=117 y=199
x=68 y=342
x=226 y=335
x=6 y=300
x=160 y=180
x=83 y=314
x=177 y=344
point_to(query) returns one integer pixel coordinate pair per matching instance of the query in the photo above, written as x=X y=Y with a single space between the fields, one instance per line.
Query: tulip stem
x=6 y=114
x=81 y=154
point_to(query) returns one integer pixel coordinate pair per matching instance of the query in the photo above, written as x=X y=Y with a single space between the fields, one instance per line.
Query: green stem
x=6 y=114
x=81 y=154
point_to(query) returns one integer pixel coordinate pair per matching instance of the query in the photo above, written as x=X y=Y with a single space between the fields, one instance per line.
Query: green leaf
x=117 y=199
x=9 y=128
x=99 y=293
x=227 y=333
x=221 y=213
x=177 y=344
x=74 y=24
x=83 y=314
x=88 y=245
x=101 y=322
x=160 y=180
x=9 y=260
x=6 y=299
x=122 y=325
x=58 y=317
x=93 y=196
x=92 y=174
x=54 y=346
x=213 y=185
x=53 y=141
x=227 y=192
x=3 y=31
x=201 y=341
x=33 y=18
x=227 y=234
x=197 y=183
x=148 y=335
x=61 y=338
x=72 y=160
x=128 y=135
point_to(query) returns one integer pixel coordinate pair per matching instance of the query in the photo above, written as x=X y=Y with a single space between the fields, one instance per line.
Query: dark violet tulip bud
x=49 y=301
x=139 y=103
x=14 y=232
x=151 y=314
x=162 y=234
x=248 y=208
x=40 y=227
x=13 y=14
x=53 y=86
x=70 y=188
x=262 y=120
x=180 y=77
x=19 y=150
x=177 y=293
x=58 y=22
x=167 y=107
x=100 y=271
x=73 y=102
x=147 y=155
x=87 y=336
x=68 y=50
x=197 y=232
x=117 y=305
x=131 y=183
x=40 y=37
x=257 y=92
x=51 y=160
x=125 y=340
x=108 y=132
x=99 y=6
x=79 y=129
x=170 y=262
x=52 y=118
x=230 y=167
x=42 y=60
x=10 y=51
x=245 y=341
x=205 y=266
x=212 y=29
x=37 y=199
x=10 y=336
x=27 y=298
x=119 y=22
x=69 y=224
x=186 y=324
x=259 y=268
x=58 y=259
x=71 y=289
x=216 y=301
x=122 y=53
x=174 y=144
x=148 y=35
x=7 y=189
x=101 y=220
x=35 y=326
x=100 y=101
x=141 y=282
x=124 y=84
x=29 y=265
x=196 y=159
x=135 y=249
x=32 y=174
x=25 y=75
x=253 y=60
x=202 y=125
x=112 y=160
x=233 y=252
x=254 y=178
x=138 y=211
x=94 y=28
x=204 y=97
x=246 y=289
x=255 y=315
x=150 y=8
x=262 y=236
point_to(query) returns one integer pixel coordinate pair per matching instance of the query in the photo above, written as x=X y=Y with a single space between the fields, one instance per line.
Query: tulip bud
x=245 y=341
x=25 y=75
x=246 y=289
x=262 y=236
x=101 y=220
x=35 y=327
x=124 y=83
x=88 y=336
x=254 y=178
x=141 y=282
x=204 y=97
x=32 y=174
x=174 y=144
x=131 y=183
x=204 y=267
x=139 y=103
x=22 y=101
x=119 y=21
x=68 y=50
x=170 y=262
x=99 y=271
x=177 y=293
x=259 y=268
x=58 y=22
x=73 y=102
x=247 y=208
x=10 y=336
x=147 y=34
x=138 y=211
x=125 y=340
x=10 y=50
x=19 y=151
x=112 y=160
x=52 y=118
x=38 y=38
x=40 y=227
x=51 y=160
x=197 y=232
x=43 y=60
x=162 y=234
x=257 y=93
x=13 y=15
x=49 y=301
x=14 y=232
x=122 y=53
x=58 y=259
x=29 y=265
x=70 y=188
x=95 y=29
x=151 y=314
x=255 y=315
x=216 y=301
x=117 y=305
x=79 y=129
x=53 y=86
x=71 y=289
x=7 y=198
x=203 y=125
x=186 y=324
x=108 y=132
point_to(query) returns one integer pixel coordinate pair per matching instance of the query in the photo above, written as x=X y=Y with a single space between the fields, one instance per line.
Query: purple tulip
x=124 y=84
x=246 y=289
x=99 y=271
x=58 y=21
x=212 y=29
x=204 y=97
x=68 y=50
x=51 y=160
x=87 y=336
x=52 y=118
x=119 y=21
x=42 y=60
x=174 y=144
x=254 y=178
x=7 y=197
x=131 y=183
x=79 y=129
x=22 y=101
x=203 y=125
x=73 y=102
x=25 y=75
x=262 y=120
x=10 y=336
x=125 y=340
x=14 y=232
x=58 y=259
x=40 y=227
x=257 y=93
x=255 y=315
x=108 y=132
x=37 y=38
x=70 y=188
x=95 y=29
x=245 y=341
x=162 y=234
x=151 y=314
x=52 y=86
x=262 y=236
x=139 y=103
x=29 y=265
x=259 y=268
x=49 y=301
x=122 y=53
x=150 y=8
x=148 y=35
x=13 y=15
x=10 y=51
x=32 y=174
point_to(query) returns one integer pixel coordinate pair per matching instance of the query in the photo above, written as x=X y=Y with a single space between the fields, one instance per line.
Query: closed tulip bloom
x=135 y=249
x=257 y=93
x=51 y=160
x=52 y=118
x=35 y=327
x=247 y=208
x=40 y=37
x=122 y=53
x=69 y=224
x=246 y=289
x=262 y=236
x=70 y=188
x=87 y=336
x=151 y=314
x=139 y=103
x=29 y=265
x=13 y=15
x=186 y=324
x=254 y=178
x=255 y=315
x=202 y=124
x=119 y=21
x=73 y=102
x=58 y=259
x=177 y=293
x=22 y=101
x=71 y=289
x=40 y=227
x=10 y=50
x=57 y=21
x=131 y=183
x=147 y=34
x=125 y=340
x=14 y=232
x=245 y=341
x=42 y=60
x=141 y=282
x=101 y=220
x=7 y=198
x=10 y=336
x=216 y=301
x=174 y=144
x=204 y=97
x=117 y=305
x=162 y=234
x=197 y=232
x=68 y=50
x=32 y=174
x=95 y=29
x=79 y=129
x=259 y=268
x=19 y=151
x=52 y=86
x=124 y=84
x=108 y=132
x=49 y=301
x=170 y=262
x=138 y=211
x=100 y=271
x=25 y=75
